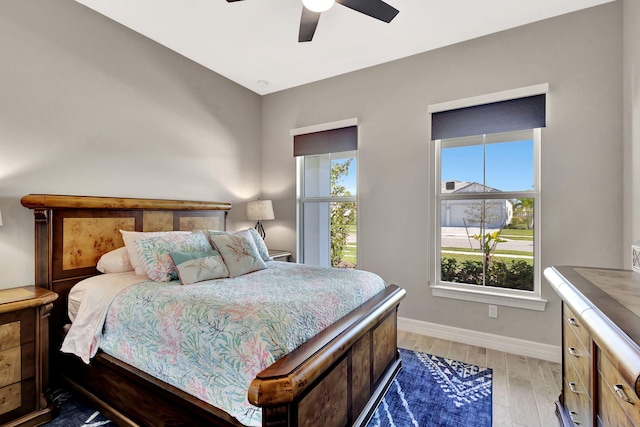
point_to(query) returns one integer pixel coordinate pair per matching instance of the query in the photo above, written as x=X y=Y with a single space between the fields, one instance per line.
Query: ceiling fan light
x=318 y=5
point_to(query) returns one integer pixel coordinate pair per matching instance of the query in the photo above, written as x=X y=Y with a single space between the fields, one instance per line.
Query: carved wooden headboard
x=72 y=232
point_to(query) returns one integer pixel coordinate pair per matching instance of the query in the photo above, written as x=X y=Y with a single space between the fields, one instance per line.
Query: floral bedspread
x=210 y=339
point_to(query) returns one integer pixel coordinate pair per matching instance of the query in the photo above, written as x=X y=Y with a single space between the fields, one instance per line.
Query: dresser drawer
x=575 y=324
x=618 y=400
x=576 y=397
x=576 y=356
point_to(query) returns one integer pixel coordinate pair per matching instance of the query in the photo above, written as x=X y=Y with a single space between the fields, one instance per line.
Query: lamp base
x=260 y=230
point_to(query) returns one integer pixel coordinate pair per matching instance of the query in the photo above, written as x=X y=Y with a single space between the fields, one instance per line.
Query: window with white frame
x=327 y=191
x=487 y=202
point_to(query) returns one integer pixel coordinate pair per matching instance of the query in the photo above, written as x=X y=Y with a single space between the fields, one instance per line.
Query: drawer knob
x=573 y=415
x=572 y=322
x=573 y=388
x=619 y=389
x=573 y=352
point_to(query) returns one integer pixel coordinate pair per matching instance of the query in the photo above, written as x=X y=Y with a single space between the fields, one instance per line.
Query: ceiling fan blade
x=231 y=1
x=308 y=23
x=374 y=8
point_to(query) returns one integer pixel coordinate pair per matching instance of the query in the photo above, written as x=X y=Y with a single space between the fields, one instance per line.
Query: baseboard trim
x=551 y=353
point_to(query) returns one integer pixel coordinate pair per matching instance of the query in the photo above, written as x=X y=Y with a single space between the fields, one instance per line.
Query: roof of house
x=465 y=187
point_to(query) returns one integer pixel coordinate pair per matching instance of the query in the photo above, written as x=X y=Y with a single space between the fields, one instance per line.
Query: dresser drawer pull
x=572 y=414
x=573 y=388
x=573 y=322
x=619 y=389
x=574 y=352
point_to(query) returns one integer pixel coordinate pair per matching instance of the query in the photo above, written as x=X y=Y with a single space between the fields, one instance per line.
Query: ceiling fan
x=312 y=9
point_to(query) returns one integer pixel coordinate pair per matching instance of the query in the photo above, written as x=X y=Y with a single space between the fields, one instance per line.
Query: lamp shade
x=260 y=210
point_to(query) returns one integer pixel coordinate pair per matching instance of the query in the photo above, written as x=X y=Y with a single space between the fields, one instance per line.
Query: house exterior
x=466 y=213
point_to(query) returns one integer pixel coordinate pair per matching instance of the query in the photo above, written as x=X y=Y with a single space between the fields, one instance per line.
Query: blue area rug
x=436 y=392
x=429 y=391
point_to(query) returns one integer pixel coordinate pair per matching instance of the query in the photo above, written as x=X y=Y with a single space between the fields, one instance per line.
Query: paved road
x=456 y=237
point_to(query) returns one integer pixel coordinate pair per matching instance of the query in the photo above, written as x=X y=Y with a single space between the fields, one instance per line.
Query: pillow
x=154 y=253
x=257 y=239
x=129 y=238
x=195 y=267
x=262 y=247
x=239 y=252
x=115 y=261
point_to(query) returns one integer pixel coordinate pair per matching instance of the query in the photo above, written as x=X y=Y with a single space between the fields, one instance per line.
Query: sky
x=509 y=165
x=349 y=181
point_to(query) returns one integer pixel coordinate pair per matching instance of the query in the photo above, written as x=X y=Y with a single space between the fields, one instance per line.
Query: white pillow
x=130 y=237
x=115 y=261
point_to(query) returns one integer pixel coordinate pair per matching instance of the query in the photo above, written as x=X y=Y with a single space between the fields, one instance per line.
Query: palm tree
x=524 y=207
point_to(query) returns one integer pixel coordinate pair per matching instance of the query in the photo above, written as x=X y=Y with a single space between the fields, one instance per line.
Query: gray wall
x=579 y=55
x=631 y=78
x=89 y=107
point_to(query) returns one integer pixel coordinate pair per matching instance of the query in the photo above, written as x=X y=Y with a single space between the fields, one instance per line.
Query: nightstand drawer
x=10 y=367
x=9 y=335
x=10 y=398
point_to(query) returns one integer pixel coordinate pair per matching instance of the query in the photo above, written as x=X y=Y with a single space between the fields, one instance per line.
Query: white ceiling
x=255 y=42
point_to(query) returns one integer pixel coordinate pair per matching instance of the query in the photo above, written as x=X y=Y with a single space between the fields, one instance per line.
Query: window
x=487 y=203
x=327 y=192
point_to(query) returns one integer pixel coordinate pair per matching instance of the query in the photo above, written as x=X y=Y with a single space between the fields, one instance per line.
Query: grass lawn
x=517 y=234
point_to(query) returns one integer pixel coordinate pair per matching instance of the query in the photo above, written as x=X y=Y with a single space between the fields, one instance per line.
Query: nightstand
x=279 y=255
x=24 y=356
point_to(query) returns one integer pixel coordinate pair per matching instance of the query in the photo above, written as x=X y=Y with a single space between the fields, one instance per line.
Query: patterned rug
x=436 y=392
x=429 y=391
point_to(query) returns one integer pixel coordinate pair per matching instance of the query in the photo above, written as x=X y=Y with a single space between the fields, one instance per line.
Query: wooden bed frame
x=335 y=379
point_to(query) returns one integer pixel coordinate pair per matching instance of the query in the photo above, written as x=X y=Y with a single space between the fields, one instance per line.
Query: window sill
x=477 y=295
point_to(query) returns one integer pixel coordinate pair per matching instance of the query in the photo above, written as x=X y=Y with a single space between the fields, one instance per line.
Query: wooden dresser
x=601 y=346
x=24 y=356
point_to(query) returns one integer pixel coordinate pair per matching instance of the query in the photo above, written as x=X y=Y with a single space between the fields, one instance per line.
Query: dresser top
x=621 y=285
x=613 y=293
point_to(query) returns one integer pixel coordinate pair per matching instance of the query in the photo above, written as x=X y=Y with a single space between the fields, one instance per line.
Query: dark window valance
x=502 y=116
x=328 y=141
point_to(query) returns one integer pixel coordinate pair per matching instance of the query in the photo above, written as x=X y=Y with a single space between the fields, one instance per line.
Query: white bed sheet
x=89 y=301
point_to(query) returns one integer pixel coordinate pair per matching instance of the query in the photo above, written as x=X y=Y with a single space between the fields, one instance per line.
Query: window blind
x=503 y=116
x=328 y=141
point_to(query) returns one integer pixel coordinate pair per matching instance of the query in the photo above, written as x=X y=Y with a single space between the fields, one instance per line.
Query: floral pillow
x=239 y=252
x=195 y=267
x=155 y=253
x=130 y=237
x=257 y=239
x=262 y=247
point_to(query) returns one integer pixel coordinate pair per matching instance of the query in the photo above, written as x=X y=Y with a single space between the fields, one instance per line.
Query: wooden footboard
x=335 y=379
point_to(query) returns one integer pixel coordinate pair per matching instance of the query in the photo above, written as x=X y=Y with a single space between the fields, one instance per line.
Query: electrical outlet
x=493 y=311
